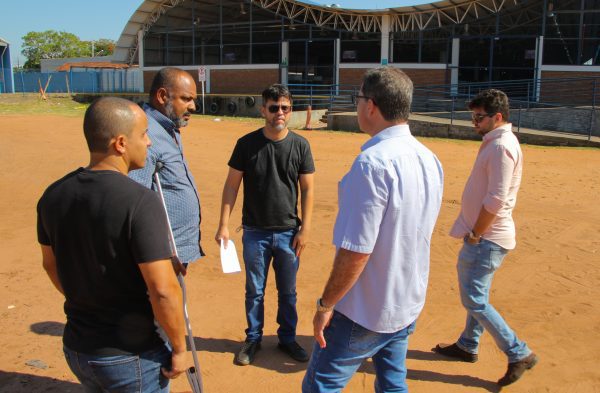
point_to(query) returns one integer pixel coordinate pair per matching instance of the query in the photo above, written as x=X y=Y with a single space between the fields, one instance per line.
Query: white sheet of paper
x=229 y=258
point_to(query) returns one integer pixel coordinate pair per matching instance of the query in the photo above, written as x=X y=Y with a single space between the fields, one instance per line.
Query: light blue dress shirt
x=388 y=205
x=178 y=185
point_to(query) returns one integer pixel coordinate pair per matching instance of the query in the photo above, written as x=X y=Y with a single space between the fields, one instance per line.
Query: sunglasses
x=355 y=98
x=276 y=108
x=478 y=117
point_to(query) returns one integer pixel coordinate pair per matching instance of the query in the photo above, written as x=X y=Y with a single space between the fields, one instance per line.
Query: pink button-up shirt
x=493 y=184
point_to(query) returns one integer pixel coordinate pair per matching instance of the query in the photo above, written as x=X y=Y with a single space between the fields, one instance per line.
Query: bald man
x=171 y=104
x=104 y=241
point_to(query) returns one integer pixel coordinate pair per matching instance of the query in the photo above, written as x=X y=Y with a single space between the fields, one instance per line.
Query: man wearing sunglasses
x=388 y=205
x=274 y=163
x=486 y=226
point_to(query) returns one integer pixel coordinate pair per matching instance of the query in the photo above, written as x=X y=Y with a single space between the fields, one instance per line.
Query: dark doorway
x=311 y=62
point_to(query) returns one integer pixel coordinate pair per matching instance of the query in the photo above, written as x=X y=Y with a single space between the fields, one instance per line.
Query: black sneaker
x=455 y=352
x=294 y=350
x=246 y=355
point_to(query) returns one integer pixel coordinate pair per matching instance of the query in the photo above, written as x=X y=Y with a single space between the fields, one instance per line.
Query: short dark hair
x=492 y=101
x=275 y=92
x=166 y=77
x=391 y=90
x=106 y=118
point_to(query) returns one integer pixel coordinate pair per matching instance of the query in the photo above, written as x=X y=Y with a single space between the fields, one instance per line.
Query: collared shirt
x=178 y=186
x=388 y=205
x=493 y=184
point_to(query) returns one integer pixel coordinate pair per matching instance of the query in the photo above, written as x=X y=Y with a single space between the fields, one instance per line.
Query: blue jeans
x=476 y=266
x=348 y=345
x=123 y=373
x=260 y=247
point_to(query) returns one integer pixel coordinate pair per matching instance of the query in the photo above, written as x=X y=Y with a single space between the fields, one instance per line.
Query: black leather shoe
x=246 y=355
x=453 y=351
x=516 y=369
x=294 y=350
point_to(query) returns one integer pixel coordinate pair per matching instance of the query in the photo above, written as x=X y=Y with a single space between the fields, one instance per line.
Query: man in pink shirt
x=486 y=226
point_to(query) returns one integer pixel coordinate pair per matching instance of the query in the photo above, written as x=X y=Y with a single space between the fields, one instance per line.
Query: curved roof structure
x=409 y=18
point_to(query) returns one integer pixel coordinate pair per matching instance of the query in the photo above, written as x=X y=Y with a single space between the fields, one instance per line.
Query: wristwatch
x=474 y=237
x=322 y=308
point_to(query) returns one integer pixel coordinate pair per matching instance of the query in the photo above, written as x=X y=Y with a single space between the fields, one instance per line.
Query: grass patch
x=27 y=104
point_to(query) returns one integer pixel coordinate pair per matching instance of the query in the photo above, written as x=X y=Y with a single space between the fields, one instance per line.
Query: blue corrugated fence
x=92 y=81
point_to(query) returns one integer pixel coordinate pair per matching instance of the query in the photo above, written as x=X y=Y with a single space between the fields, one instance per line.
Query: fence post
x=528 y=95
x=593 y=112
x=519 y=120
x=452 y=112
x=22 y=83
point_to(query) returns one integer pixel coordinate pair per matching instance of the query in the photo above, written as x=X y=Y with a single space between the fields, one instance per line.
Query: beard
x=170 y=113
x=278 y=126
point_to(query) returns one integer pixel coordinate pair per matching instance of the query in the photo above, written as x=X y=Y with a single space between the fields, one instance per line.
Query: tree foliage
x=51 y=44
x=102 y=47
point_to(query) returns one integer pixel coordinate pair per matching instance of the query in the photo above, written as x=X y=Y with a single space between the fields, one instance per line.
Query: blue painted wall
x=6 y=74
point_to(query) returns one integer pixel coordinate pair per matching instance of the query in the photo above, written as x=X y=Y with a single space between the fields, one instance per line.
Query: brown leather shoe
x=455 y=352
x=516 y=369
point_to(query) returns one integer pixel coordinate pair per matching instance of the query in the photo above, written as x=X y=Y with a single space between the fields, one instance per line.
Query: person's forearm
x=484 y=221
x=347 y=267
x=167 y=305
x=227 y=204
x=53 y=275
x=49 y=264
x=306 y=204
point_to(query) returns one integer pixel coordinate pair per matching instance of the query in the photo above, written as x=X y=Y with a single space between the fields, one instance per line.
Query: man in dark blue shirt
x=171 y=104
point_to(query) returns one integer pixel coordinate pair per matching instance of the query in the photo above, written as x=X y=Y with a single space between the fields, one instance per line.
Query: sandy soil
x=548 y=288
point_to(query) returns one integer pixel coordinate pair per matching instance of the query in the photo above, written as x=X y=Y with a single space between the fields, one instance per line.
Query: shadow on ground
x=269 y=357
x=432 y=376
x=48 y=328
x=14 y=382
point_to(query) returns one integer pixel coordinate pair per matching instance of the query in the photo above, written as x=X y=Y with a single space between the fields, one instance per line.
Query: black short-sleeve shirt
x=101 y=225
x=271 y=173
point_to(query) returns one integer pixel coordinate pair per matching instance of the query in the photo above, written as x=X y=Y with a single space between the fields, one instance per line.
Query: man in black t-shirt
x=105 y=247
x=274 y=163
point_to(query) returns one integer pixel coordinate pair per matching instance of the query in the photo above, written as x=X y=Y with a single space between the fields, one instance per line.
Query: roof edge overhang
x=408 y=18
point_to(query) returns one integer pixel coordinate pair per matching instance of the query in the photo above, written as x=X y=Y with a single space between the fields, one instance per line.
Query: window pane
x=514 y=52
x=406 y=51
x=560 y=51
x=591 y=52
x=591 y=25
x=474 y=52
x=435 y=51
x=561 y=25
x=360 y=48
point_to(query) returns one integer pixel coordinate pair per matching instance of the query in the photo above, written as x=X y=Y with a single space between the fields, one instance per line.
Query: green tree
x=102 y=47
x=51 y=44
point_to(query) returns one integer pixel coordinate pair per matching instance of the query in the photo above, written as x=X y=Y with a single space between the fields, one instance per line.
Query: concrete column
x=337 y=46
x=454 y=66
x=385 y=39
x=140 y=38
x=539 y=54
x=284 y=62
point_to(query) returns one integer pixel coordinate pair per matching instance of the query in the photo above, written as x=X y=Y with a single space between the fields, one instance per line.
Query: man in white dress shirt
x=388 y=204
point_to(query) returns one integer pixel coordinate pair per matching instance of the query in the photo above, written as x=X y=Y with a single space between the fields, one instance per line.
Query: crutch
x=193 y=373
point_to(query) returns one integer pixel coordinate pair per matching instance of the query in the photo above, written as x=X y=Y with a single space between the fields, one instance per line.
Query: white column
x=454 y=66
x=140 y=39
x=337 y=45
x=539 y=55
x=283 y=65
x=385 y=39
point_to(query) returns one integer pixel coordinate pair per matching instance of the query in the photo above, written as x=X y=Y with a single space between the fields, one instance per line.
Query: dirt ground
x=548 y=288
